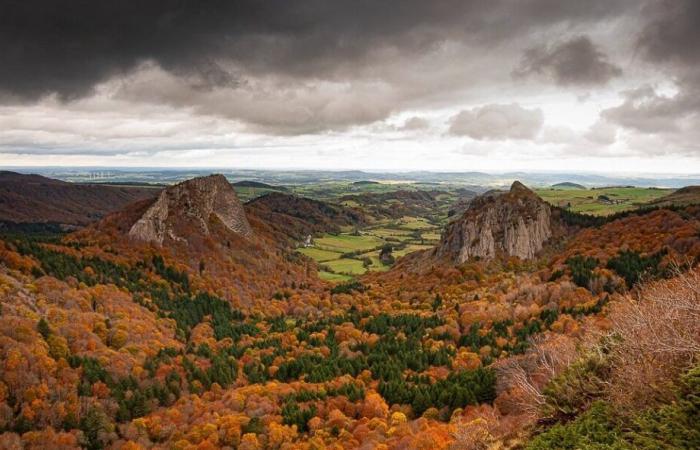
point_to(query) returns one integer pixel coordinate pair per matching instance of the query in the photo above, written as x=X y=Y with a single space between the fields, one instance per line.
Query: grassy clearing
x=333 y=277
x=377 y=264
x=431 y=236
x=350 y=204
x=345 y=243
x=589 y=201
x=246 y=193
x=410 y=249
x=390 y=233
x=415 y=223
x=319 y=255
x=346 y=266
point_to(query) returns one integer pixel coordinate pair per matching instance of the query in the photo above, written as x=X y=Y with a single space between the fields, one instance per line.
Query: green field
x=415 y=223
x=588 y=201
x=410 y=248
x=345 y=243
x=346 y=266
x=406 y=235
x=385 y=232
x=319 y=255
x=431 y=236
x=333 y=277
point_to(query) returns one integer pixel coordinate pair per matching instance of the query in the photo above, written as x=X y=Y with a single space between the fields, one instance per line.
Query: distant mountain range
x=277 y=177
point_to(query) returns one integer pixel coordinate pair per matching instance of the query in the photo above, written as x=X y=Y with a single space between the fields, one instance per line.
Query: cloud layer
x=576 y=61
x=498 y=122
x=123 y=78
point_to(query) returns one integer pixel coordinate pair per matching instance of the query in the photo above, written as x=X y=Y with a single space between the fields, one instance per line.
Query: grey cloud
x=671 y=40
x=647 y=111
x=68 y=46
x=576 y=61
x=498 y=122
x=672 y=34
x=415 y=123
x=602 y=133
x=270 y=105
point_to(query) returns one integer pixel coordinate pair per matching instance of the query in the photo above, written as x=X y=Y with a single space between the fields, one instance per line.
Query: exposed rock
x=189 y=207
x=515 y=223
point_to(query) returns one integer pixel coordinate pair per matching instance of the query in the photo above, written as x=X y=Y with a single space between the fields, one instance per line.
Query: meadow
x=349 y=254
x=601 y=201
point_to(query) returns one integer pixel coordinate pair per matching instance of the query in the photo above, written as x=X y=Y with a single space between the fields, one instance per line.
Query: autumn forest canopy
x=191 y=319
x=350 y=224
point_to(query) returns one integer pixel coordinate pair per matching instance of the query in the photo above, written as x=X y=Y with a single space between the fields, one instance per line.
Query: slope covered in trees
x=231 y=341
x=297 y=217
x=33 y=199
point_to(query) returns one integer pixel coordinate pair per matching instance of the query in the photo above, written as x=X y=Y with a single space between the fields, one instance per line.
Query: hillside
x=602 y=201
x=33 y=198
x=395 y=204
x=689 y=195
x=568 y=185
x=259 y=185
x=200 y=226
x=297 y=217
x=220 y=336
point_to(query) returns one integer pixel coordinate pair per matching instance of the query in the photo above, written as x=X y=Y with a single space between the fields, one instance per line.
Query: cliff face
x=188 y=207
x=514 y=223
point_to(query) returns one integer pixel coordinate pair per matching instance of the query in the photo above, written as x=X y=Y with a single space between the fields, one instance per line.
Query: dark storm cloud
x=66 y=47
x=576 y=61
x=672 y=34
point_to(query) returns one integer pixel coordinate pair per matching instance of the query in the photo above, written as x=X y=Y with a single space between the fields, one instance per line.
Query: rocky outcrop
x=513 y=223
x=189 y=207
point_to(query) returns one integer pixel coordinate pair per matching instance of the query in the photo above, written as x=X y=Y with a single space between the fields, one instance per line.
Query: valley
x=354 y=316
x=350 y=225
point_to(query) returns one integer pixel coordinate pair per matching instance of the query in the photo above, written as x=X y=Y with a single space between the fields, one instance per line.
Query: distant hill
x=396 y=204
x=365 y=182
x=259 y=185
x=462 y=203
x=296 y=217
x=201 y=224
x=688 y=195
x=568 y=185
x=37 y=199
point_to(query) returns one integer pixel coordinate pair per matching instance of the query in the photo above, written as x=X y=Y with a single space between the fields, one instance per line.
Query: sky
x=388 y=85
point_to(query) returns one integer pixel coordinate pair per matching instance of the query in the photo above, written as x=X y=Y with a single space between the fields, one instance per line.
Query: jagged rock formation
x=189 y=207
x=514 y=223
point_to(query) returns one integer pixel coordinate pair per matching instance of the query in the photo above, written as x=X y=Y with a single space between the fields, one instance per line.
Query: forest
x=124 y=346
